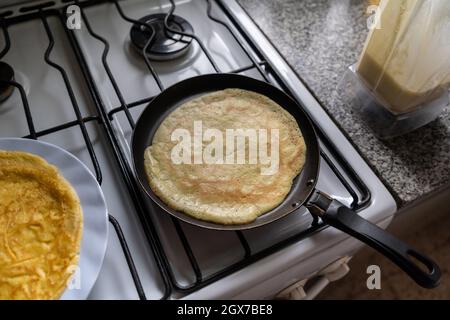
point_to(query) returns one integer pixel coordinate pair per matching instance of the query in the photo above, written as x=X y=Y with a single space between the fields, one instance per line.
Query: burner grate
x=80 y=122
x=104 y=119
x=164 y=45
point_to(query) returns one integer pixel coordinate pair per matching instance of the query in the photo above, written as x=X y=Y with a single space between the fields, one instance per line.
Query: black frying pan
x=304 y=192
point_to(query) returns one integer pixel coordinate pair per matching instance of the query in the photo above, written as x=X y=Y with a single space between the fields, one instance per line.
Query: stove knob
x=309 y=289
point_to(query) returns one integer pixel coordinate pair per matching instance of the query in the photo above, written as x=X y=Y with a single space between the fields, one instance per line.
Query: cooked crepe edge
x=78 y=235
x=194 y=212
x=12 y=157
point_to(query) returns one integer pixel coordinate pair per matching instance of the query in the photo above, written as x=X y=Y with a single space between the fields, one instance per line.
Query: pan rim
x=312 y=152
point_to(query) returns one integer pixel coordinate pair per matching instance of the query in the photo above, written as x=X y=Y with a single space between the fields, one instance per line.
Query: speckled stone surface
x=320 y=39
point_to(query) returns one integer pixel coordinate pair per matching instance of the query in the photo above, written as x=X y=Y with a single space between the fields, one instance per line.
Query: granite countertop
x=320 y=39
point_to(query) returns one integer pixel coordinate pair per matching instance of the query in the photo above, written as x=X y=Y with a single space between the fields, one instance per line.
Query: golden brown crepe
x=223 y=193
x=40 y=228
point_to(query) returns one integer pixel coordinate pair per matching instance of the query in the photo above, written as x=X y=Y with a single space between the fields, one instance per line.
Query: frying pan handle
x=335 y=214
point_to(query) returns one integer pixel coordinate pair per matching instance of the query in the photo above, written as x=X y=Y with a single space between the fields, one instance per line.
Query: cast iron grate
x=104 y=119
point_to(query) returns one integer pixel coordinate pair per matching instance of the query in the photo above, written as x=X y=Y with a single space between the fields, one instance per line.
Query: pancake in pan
x=40 y=228
x=228 y=194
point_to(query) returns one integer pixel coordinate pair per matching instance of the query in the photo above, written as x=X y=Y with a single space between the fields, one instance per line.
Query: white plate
x=95 y=220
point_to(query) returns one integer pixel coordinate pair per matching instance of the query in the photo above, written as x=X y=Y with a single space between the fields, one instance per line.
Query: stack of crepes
x=41 y=225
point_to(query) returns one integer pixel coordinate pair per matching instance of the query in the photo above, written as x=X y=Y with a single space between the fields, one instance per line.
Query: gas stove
x=84 y=88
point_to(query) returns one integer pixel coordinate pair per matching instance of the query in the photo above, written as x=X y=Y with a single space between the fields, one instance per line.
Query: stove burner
x=166 y=45
x=6 y=74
